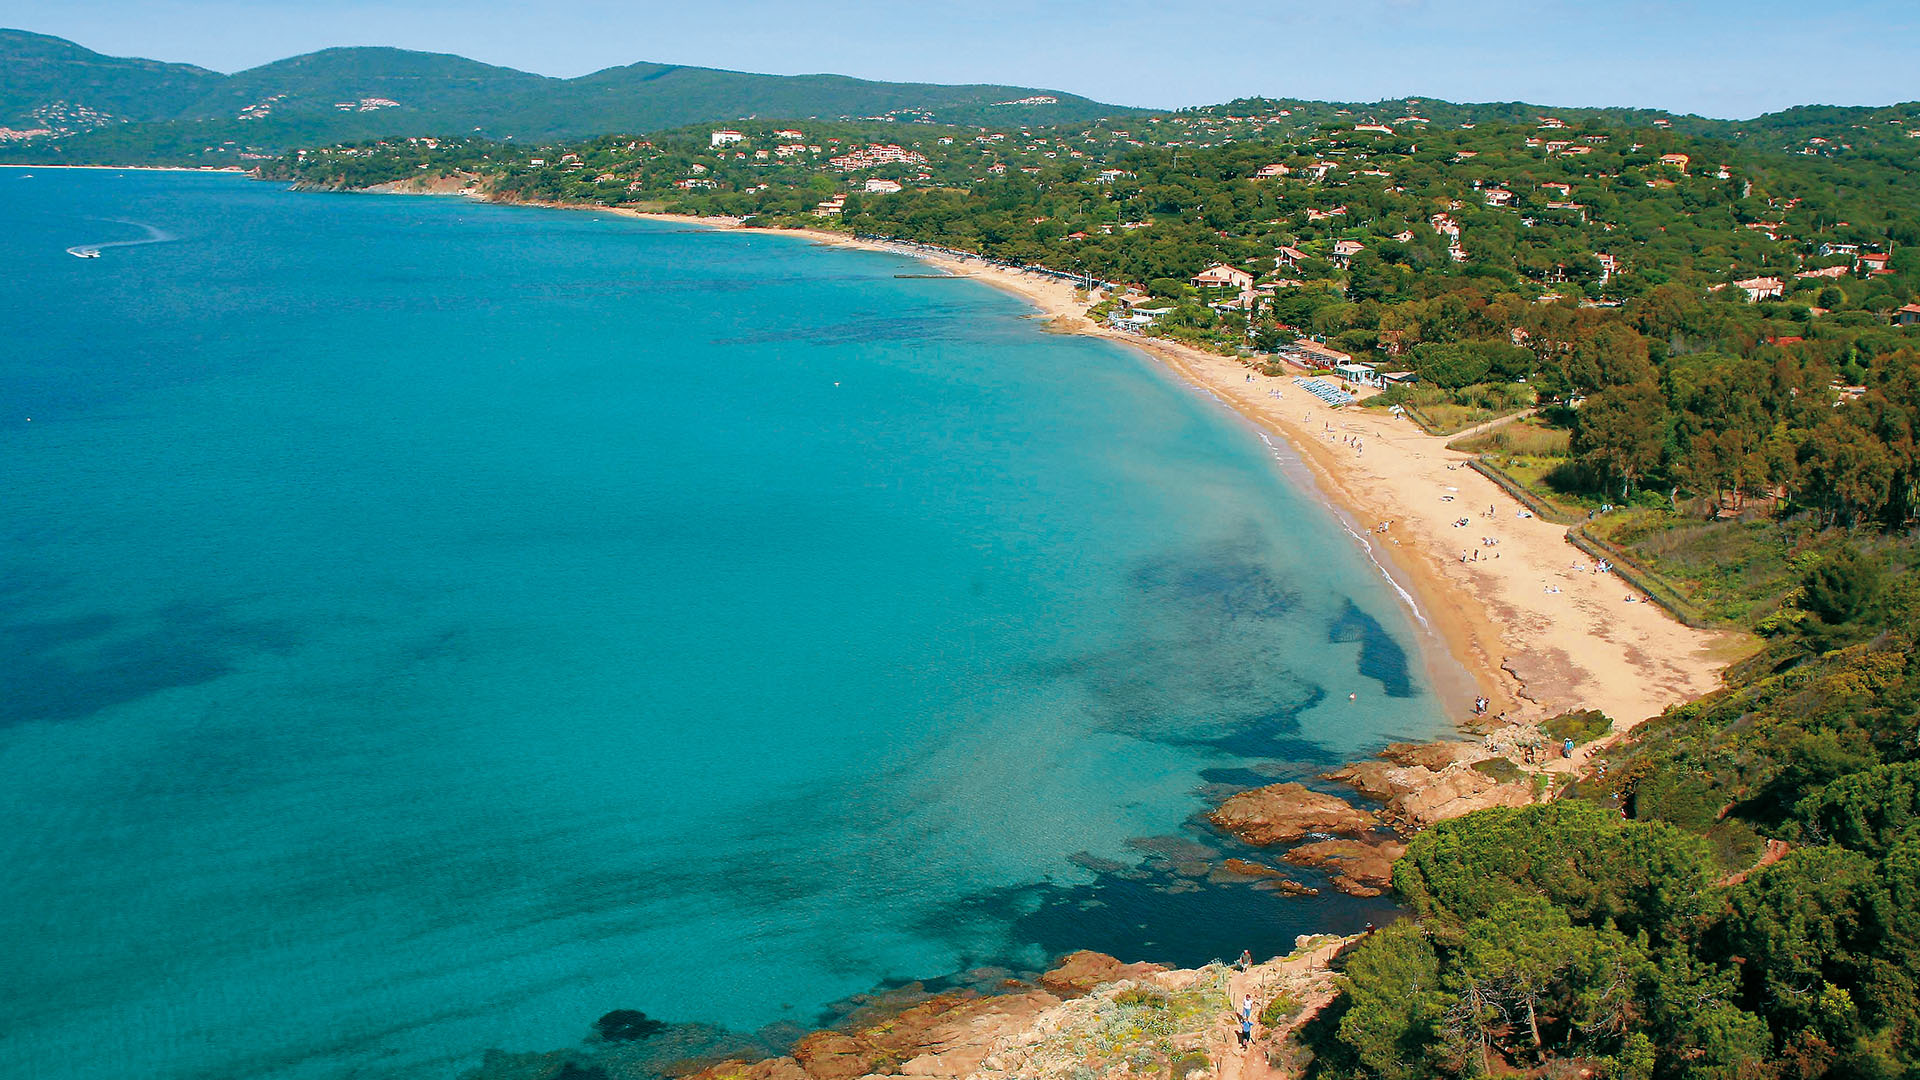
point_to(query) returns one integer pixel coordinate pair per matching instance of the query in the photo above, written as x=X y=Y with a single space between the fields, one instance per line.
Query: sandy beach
x=1537 y=628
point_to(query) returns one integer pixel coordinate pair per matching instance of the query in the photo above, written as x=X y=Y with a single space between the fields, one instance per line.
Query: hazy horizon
x=1708 y=57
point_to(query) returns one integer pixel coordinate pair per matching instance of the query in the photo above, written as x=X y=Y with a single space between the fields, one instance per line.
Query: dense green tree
x=1396 y=1004
x=1621 y=433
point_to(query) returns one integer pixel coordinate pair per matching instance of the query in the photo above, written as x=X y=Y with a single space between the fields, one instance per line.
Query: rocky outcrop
x=1422 y=784
x=1084 y=970
x=1358 y=867
x=1459 y=790
x=949 y=1036
x=1283 y=813
x=1434 y=755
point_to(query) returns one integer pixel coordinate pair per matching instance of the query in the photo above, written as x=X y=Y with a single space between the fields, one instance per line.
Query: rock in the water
x=1282 y=813
x=627 y=1025
x=1359 y=868
x=1250 y=869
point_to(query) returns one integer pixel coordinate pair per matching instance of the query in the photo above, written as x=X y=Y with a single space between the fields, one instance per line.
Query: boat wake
x=92 y=251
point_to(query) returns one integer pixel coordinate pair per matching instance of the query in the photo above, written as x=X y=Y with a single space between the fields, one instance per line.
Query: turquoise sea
x=428 y=626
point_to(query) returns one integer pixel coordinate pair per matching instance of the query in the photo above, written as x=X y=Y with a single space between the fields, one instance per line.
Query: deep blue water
x=430 y=625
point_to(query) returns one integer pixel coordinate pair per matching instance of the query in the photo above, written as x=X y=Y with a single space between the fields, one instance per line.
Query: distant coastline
x=233 y=169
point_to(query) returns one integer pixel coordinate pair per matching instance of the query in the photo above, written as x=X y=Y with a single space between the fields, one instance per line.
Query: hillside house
x=725 y=137
x=1677 y=161
x=1222 y=276
x=1827 y=272
x=790 y=135
x=1874 y=262
x=1269 y=172
x=1498 y=197
x=1830 y=249
x=882 y=187
x=1609 y=266
x=1761 y=288
x=1344 y=251
x=1907 y=316
x=1289 y=256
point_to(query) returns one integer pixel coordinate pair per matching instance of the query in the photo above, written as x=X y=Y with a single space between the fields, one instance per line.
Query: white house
x=725 y=137
x=1761 y=288
x=1359 y=374
x=883 y=187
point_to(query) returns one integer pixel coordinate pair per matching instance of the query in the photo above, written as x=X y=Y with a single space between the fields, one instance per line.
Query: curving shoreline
x=1538 y=634
x=1533 y=630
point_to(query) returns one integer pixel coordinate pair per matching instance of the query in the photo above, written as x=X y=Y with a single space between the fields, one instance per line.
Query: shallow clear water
x=430 y=625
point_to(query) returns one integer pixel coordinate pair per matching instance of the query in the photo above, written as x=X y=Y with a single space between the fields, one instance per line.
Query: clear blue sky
x=1725 y=58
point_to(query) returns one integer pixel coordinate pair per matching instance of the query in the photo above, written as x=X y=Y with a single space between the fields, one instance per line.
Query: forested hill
x=62 y=102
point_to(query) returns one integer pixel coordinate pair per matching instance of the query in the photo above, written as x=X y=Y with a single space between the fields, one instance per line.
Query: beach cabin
x=1136 y=320
x=1222 y=276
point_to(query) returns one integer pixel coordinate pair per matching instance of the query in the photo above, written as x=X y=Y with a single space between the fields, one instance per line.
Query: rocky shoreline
x=1091 y=1011
x=1000 y=1025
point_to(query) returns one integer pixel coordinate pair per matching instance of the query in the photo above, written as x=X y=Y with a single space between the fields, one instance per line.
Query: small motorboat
x=84 y=252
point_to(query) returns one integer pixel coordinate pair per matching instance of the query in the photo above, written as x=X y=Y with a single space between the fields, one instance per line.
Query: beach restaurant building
x=1357 y=373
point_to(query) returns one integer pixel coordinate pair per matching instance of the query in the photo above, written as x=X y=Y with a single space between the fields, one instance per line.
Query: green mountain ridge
x=87 y=106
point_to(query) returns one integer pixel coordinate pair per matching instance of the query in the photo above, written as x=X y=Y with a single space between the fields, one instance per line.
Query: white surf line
x=154 y=236
x=1281 y=453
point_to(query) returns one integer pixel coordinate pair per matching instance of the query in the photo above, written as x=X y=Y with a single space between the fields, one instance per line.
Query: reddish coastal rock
x=1359 y=868
x=1435 y=756
x=1283 y=813
x=1416 y=796
x=1082 y=971
x=945 y=1036
x=1453 y=793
